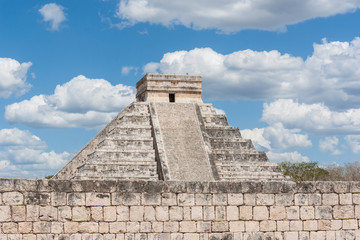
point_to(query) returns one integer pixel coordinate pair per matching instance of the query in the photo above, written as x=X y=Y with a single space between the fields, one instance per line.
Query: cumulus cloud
x=287 y=156
x=257 y=137
x=126 y=70
x=23 y=154
x=230 y=15
x=54 y=14
x=79 y=103
x=354 y=143
x=13 y=77
x=332 y=70
x=312 y=118
x=329 y=144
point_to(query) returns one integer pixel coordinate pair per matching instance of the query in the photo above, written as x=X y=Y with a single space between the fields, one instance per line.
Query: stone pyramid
x=170 y=134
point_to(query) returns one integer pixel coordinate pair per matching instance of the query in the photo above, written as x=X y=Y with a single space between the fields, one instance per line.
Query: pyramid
x=170 y=134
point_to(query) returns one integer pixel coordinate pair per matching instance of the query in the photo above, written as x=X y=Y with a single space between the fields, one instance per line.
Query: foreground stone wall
x=109 y=210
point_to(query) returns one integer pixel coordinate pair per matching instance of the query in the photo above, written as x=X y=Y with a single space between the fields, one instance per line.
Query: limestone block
x=350 y=224
x=196 y=213
x=76 y=199
x=18 y=213
x=342 y=187
x=42 y=227
x=71 y=227
x=301 y=199
x=191 y=236
x=293 y=212
x=250 y=199
x=136 y=213
x=123 y=213
x=17 y=237
x=260 y=213
x=237 y=226
x=110 y=214
x=58 y=198
x=343 y=212
x=345 y=198
x=48 y=213
x=97 y=214
x=97 y=199
x=330 y=199
x=64 y=213
x=222 y=226
x=57 y=227
x=185 y=199
x=36 y=198
x=304 y=235
x=25 y=227
x=209 y=213
x=323 y=212
x=168 y=199
x=88 y=227
x=357 y=212
x=220 y=199
x=145 y=227
x=32 y=213
x=149 y=213
x=157 y=226
x=5 y=213
x=330 y=235
x=171 y=226
x=220 y=213
x=120 y=236
x=324 y=225
x=307 y=212
x=291 y=235
x=265 y=199
x=252 y=226
x=112 y=237
x=356 y=198
x=203 y=199
x=13 y=198
x=80 y=214
x=246 y=212
x=203 y=226
x=355 y=187
x=285 y=199
x=315 y=199
x=267 y=226
x=151 y=199
x=235 y=199
x=27 y=237
x=318 y=235
x=187 y=226
x=277 y=213
x=162 y=213
x=310 y=225
x=283 y=226
x=10 y=227
x=117 y=227
x=336 y=224
x=187 y=213
x=103 y=227
x=232 y=213
x=296 y=225
x=176 y=236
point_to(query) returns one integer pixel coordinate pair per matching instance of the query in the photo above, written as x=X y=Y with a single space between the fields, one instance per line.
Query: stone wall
x=109 y=210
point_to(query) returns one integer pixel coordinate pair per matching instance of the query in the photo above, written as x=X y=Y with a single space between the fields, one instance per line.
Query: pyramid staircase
x=235 y=158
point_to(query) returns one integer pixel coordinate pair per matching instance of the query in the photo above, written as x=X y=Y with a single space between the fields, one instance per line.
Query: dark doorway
x=171 y=97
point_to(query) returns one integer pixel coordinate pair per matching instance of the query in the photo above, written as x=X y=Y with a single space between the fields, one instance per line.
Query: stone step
x=223 y=132
x=241 y=154
x=116 y=177
x=255 y=169
x=128 y=155
x=106 y=169
x=237 y=158
x=251 y=176
x=114 y=144
x=130 y=132
x=215 y=120
x=134 y=120
x=139 y=107
x=207 y=108
x=221 y=143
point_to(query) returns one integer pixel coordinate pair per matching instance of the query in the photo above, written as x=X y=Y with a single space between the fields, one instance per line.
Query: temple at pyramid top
x=168 y=133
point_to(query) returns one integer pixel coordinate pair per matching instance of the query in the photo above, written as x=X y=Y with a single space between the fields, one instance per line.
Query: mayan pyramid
x=170 y=134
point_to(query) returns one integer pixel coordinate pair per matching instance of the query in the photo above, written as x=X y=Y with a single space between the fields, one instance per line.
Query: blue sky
x=285 y=72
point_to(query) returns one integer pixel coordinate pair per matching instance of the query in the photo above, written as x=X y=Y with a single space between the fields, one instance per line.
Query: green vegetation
x=49 y=177
x=310 y=171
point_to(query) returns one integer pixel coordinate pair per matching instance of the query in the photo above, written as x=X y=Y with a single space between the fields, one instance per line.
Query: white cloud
x=354 y=143
x=54 y=14
x=125 y=70
x=331 y=71
x=287 y=156
x=257 y=137
x=311 y=118
x=79 y=103
x=329 y=144
x=13 y=77
x=23 y=154
x=229 y=15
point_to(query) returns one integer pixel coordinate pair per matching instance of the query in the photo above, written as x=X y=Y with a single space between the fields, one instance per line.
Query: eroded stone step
x=207 y=108
x=130 y=132
x=231 y=144
x=134 y=120
x=126 y=144
x=223 y=132
x=240 y=155
x=215 y=120
x=134 y=155
x=240 y=158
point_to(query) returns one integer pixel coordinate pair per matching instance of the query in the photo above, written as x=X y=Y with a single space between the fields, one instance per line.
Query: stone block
x=342 y=187
x=304 y=235
x=151 y=199
x=48 y=213
x=293 y=212
x=123 y=213
x=222 y=226
x=191 y=236
x=250 y=199
x=220 y=199
x=315 y=199
x=343 y=212
x=117 y=227
x=323 y=212
x=283 y=226
x=307 y=212
x=36 y=198
x=265 y=199
x=145 y=227
x=285 y=199
x=168 y=199
x=246 y=212
x=97 y=199
x=357 y=212
x=345 y=199
x=235 y=199
x=57 y=227
x=149 y=213
x=80 y=214
x=5 y=214
x=209 y=213
x=104 y=227
x=291 y=235
x=171 y=226
x=18 y=213
x=10 y=227
x=301 y=199
x=220 y=213
x=296 y=225
x=24 y=237
x=330 y=199
x=203 y=226
x=232 y=213
x=58 y=198
x=237 y=226
x=42 y=227
x=127 y=198
x=110 y=214
x=267 y=226
x=355 y=187
x=176 y=236
x=196 y=213
x=260 y=213
x=78 y=236
x=318 y=235
x=32 y=213
x=187 y=226
x=136 y=213
x=71 y=227
x=310 y=225
x=203 y=199
x=97 y=214
x=76 y=199
x=25 y=227
x=350 y=224
x=13 y=198
x=88 y=227
x=277 y=213
x=324 y=225
x=185 y=199
x=252 y=226
x=157 y=227
x=336 y=224
x=187 y=213
x=162 y=213
x=64 y=213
